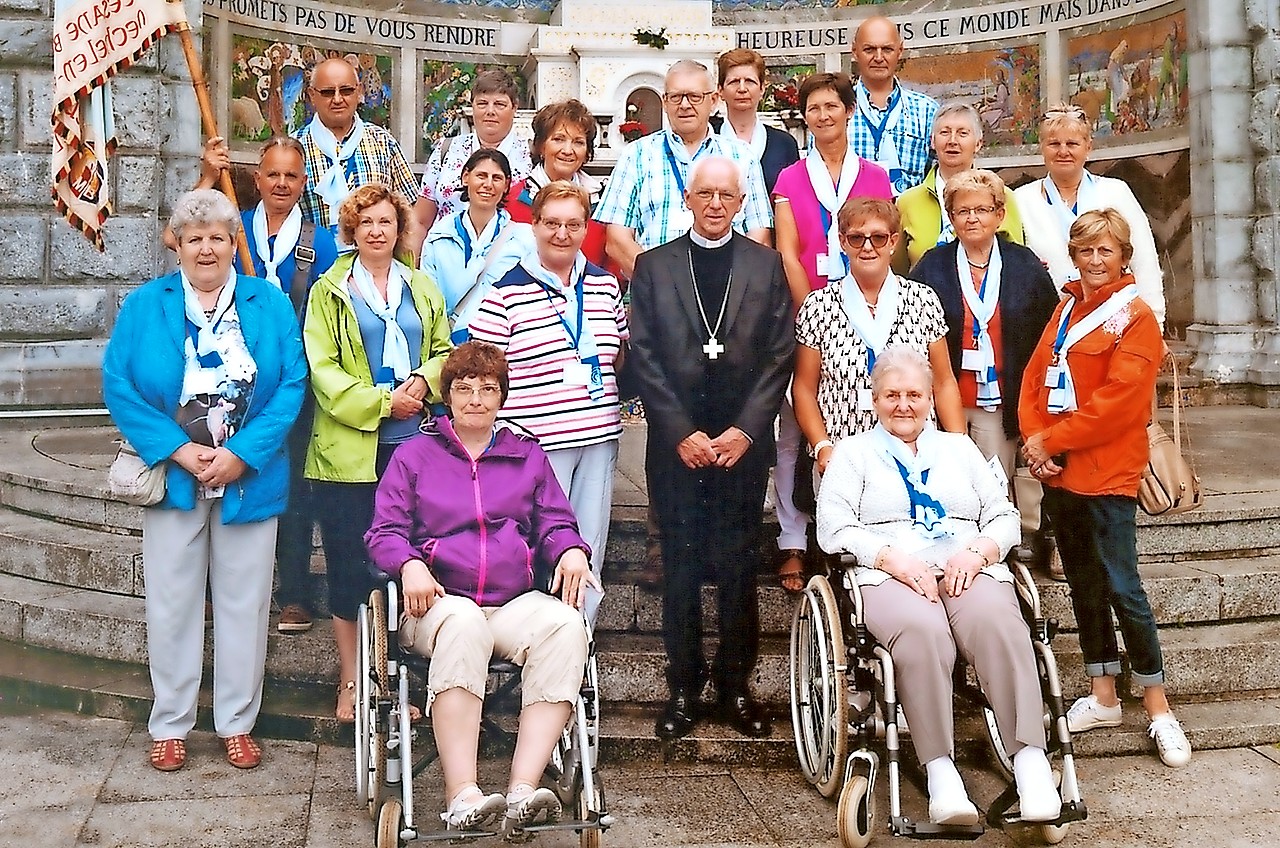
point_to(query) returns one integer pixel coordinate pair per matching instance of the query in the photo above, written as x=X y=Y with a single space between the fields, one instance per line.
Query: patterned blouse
x=823 y=326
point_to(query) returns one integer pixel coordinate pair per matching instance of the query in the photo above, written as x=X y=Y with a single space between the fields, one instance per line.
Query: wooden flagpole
x=211 y=129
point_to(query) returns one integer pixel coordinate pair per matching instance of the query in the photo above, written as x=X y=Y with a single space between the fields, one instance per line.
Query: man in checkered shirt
x=342 y=152
x=643 y=203
x=892 y=124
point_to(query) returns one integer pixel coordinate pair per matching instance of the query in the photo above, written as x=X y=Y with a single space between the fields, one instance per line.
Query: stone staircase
x=72 y=612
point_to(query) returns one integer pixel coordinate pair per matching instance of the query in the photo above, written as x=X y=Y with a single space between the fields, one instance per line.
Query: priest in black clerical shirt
x=712 y=340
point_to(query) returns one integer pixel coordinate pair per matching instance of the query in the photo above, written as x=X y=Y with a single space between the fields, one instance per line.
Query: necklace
x=712 y=348
x=979 y=265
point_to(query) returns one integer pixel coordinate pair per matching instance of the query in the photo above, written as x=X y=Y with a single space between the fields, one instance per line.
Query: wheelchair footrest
x=1071 y=812
x=564 y=825
x=903 y=826
x=453 y=836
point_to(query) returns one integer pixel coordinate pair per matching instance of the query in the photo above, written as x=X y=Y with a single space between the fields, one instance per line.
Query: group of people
x=429 y=372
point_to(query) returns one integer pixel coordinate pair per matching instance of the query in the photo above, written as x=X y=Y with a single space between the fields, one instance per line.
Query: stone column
x=1263 y=21
x=1222 y=196
x=59 y=296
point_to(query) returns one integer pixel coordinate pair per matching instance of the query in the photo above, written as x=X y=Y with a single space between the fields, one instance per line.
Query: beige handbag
x=1169 y=484
x=134 y=482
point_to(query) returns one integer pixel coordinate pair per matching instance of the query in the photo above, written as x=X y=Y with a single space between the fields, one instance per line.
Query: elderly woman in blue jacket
x=204 y=373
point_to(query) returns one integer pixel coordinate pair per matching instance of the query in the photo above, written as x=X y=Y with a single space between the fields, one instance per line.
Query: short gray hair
x=202 y=207
x=699 y=164
x=978 y=180
x=686 y=66
x=954 y=108
x=896 y=358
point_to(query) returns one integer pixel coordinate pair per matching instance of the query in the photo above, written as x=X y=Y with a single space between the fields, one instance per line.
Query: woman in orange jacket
x=1086 y=396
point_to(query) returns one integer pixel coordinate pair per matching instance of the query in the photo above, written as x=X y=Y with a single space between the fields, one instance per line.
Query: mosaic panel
x=446 y=90
x=1002 y=84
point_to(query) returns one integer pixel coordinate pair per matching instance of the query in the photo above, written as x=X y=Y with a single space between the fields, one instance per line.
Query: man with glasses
x=711 y=351
x=493 y=103
x=343 y=152
x=892 y=124
x=644 y=203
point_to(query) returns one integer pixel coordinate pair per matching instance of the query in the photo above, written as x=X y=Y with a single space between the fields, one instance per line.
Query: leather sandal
x=346 y=695
x=168 y=754
x=791 y=570
x=242 y=751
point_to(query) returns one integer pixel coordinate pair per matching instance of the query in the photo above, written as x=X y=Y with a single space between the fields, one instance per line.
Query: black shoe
x=679 y=715
x=743 y=714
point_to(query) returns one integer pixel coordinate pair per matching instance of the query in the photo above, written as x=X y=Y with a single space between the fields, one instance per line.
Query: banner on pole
x=93 y=40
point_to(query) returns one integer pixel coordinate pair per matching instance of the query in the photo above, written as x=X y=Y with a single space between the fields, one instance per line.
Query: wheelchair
x=384 y=757
x=844 y=696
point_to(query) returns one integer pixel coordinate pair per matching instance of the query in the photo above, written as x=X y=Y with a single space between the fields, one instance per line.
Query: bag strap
x=304 y=256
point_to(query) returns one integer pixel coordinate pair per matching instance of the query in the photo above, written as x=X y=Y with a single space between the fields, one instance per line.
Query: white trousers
x=181 y=551
x=586 y=475
x=793 y=524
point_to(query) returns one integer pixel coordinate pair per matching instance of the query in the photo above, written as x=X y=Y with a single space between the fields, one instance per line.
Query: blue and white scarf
x=982 y=302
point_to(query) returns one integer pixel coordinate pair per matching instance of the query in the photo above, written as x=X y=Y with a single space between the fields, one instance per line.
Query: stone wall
x=1263 y=21
x=58 y=295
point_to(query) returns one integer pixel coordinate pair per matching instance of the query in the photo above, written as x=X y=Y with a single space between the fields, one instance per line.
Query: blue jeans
x=1097 y=537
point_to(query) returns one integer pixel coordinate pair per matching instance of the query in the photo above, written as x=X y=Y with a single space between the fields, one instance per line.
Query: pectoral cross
x=713 y=348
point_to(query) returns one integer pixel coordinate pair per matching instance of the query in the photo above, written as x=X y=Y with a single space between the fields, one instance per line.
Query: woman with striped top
x=560 y=320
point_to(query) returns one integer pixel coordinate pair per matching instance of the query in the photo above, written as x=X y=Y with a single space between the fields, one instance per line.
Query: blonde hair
x=861 y=209
x=977 y=179
x=1066 y=116
x=371 y=195
x=560 y=190
x=1093 y=226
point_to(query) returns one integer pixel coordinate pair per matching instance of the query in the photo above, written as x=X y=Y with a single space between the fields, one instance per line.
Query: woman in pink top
x=806 y=203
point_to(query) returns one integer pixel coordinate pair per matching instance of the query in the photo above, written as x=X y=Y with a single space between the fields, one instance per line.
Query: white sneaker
x=1171 y=742
x=525 y=808
x=953 y=810
x=1038 y=799
x=1087 y=714
x=472 y=809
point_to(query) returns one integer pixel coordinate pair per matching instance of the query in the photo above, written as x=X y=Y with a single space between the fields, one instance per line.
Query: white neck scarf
x=1086 y=201
x=832 y=197
x=983 y=306
x=395 y=346
x=758 y=136
x=539 y=178
x=1062 y=390
x=195 y=312
x=873 y=330
x=947 y=233
x=928 y=516
x=886 y=154
x=286 y=241
x=331 y=186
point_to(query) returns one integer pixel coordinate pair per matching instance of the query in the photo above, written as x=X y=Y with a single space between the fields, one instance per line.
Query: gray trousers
x=181 y=550
x=985 y=624
x=586 y=475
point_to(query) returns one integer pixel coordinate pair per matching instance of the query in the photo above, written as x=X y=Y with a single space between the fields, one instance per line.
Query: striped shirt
x=912 y=136
x=378 y=159
x=646 y=194
x=524 y=318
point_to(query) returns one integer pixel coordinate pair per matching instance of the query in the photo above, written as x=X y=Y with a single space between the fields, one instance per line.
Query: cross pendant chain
x=712 y=349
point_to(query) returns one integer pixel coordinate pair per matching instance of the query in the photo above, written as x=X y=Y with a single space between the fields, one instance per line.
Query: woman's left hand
x=573 y=576
x=960 y=572
x=416 y=387
x=224 y=469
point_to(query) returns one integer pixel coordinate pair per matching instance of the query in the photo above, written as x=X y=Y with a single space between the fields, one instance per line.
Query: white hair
x=202 y=207
x=898 y=358
x=686 y=66
x=958 y=108
x=699 y=164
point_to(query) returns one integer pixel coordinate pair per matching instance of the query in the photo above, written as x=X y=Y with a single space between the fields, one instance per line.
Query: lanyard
x=574 y=340
x=824 y=218
x=1062 y=331
x=675 y=166
x=464 y=235
x=877 y=133
x=982 y=293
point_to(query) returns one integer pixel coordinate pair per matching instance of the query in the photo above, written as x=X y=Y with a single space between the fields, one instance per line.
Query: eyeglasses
x=330 y=93
x=979 y=211
x=695 y=98
x=1071 y=111
x=486 y=392
x=706 y=195
x=574 y=227
x=857 y=241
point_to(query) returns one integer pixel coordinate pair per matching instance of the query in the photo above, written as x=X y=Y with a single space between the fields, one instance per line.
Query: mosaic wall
x=446 y=90
x=1002 y=84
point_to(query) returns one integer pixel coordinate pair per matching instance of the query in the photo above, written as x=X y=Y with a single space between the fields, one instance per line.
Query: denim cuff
x=1110 y=668
x=1154 y=679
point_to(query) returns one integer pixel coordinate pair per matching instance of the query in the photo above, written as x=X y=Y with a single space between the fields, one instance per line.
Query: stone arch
x=645 y=91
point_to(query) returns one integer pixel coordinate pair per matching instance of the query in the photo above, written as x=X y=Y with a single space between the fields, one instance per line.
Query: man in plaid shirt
x=892 y=124
x=342 y=152
x=643 y=203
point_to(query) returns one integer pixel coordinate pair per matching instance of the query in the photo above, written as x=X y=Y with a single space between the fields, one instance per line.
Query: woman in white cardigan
x=930 y=523
x=1049 y=206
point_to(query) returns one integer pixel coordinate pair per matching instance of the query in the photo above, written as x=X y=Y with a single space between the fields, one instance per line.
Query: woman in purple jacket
x=462 y=515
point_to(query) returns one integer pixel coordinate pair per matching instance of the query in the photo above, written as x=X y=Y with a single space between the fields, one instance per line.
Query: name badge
x=864 y=399
x=820 y=265
x=1052 y=376
x=971 y=360
x=577 y=374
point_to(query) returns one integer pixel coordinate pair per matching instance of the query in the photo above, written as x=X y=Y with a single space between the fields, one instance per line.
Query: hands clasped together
x=698 y=450
x=961 y=570
x=571 y=579
x=1038 y=459
x=210 y=466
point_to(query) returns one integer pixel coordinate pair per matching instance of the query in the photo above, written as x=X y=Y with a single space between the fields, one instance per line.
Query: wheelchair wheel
x=362 y=707
x=1052 y=834
x=376 y=684
x=999 y=753
x=378 y=607
x=856 y=813
x=587 y=838
x=819 y=698
x=390 y=817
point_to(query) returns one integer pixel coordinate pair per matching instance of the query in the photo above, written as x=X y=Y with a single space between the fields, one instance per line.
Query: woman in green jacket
x=376 y=335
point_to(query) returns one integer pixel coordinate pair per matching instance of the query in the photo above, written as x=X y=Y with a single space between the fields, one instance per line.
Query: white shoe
x=472 y=809
x=528 y=806
x=1171 y=742
x=953 y=809
x=1038 y=799
x=1087 y=714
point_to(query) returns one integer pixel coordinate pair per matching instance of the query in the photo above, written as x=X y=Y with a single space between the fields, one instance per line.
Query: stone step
x=53 y=679
x=1207 y=659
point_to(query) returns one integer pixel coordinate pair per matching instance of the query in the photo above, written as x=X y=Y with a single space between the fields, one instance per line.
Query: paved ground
x=76 y=781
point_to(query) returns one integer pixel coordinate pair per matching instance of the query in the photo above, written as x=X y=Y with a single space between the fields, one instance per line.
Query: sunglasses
x=330 y=93
x=859 y=240
x=1072 y=111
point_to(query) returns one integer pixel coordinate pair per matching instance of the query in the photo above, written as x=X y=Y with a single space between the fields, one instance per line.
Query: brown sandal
x=791 y=570
x=168 y=754
x=346 y=695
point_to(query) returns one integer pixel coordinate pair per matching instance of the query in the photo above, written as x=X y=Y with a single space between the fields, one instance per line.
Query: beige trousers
x=985 y=624
x=987 y=431
x=543 y=635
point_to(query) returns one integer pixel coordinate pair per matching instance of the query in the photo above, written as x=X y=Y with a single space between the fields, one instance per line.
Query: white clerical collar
x=710 y=244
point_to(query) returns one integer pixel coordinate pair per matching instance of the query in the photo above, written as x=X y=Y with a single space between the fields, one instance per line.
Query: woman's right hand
x=910 y=571
x=193 y=458
x=823 y=458
x=419 y=587
x=403 y=404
